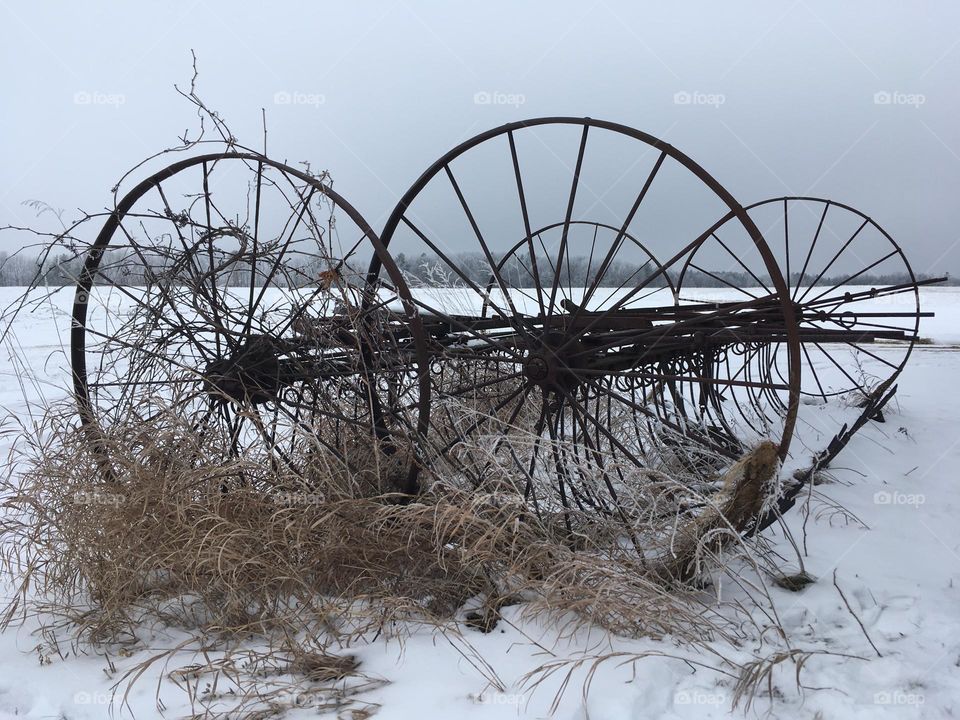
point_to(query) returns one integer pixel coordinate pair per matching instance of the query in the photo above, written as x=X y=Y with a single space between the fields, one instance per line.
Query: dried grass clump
x=237 y=550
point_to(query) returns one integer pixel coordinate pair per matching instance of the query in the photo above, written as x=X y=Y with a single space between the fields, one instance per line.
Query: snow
x=899 y=569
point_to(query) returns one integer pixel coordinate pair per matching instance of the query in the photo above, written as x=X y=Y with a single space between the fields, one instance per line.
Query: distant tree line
x=122 y=267
x=581 y=271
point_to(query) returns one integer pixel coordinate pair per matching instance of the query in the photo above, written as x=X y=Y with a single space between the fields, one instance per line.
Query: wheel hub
x=552 y=365
x=251 y=374
x=536 y=368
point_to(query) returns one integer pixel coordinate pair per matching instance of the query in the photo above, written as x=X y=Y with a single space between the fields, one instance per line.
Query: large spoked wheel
x=856 y=299
x=558 y=352
x=224 y=291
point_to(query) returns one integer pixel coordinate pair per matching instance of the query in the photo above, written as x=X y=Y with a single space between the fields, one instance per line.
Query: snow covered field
x=898 y=568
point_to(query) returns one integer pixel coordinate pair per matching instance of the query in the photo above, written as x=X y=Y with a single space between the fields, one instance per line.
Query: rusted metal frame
x=793 y=349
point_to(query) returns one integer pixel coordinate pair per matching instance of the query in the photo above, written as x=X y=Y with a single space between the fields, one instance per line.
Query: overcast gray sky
x=855 y=101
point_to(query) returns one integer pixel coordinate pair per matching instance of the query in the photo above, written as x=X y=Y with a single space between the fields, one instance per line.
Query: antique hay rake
x=565 y=298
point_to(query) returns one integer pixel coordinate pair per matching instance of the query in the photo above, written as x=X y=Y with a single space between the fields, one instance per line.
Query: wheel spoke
x=834 y=259
x=528 y=233
x=566 y=222
x=615 y=246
